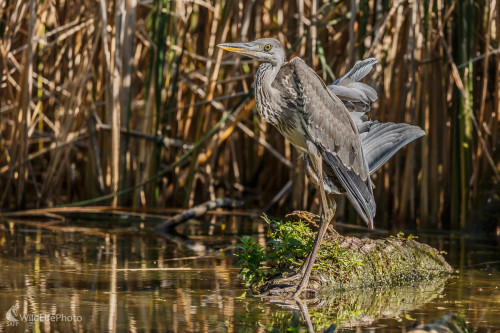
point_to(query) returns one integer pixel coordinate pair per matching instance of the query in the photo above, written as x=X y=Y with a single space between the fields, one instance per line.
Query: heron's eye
x=267 y=47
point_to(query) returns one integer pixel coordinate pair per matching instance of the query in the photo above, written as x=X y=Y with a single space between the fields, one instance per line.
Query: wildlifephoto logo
x=12 y=314
x=13 y=317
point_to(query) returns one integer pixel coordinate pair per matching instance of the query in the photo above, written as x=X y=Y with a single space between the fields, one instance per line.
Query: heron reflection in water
x=341 y=146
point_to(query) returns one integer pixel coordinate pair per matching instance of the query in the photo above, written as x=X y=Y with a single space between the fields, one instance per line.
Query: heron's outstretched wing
x=356 y=96
x=357 y=72
x=382 y=140
x=327 y=123
x=379 y=140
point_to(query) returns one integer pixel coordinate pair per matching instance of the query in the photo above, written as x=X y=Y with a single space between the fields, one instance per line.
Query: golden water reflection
x=143 y=282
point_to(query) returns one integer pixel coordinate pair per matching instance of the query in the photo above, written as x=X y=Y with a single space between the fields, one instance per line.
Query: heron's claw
x=286 y=291
x=282 y=290
x=286 y=288
x=295 y=277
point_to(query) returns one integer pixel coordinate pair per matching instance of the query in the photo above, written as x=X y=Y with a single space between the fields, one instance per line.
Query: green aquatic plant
x=290 y=243
x=251 y=255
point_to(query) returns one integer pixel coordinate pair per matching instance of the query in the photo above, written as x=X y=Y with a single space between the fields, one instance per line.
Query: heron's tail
x=359 y=192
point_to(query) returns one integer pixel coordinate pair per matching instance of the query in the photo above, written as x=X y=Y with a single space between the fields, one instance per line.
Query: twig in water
x=197 y=211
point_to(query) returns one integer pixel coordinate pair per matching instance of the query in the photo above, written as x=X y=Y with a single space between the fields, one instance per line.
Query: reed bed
x=131 y=103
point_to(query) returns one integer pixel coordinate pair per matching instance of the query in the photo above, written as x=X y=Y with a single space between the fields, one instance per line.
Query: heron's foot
x=295 y=277
x=287 y=291
x=288 y=287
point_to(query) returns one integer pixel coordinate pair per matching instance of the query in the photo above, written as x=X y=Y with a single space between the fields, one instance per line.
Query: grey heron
x=341 y=147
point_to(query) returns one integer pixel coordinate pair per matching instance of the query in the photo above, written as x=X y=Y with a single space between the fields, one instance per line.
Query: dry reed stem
x=174 y=83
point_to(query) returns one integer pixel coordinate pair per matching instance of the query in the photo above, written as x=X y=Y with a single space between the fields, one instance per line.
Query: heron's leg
x=325 y=220
x=279 y=286
x=328 y=213
x=297 y=276
x=305 y=315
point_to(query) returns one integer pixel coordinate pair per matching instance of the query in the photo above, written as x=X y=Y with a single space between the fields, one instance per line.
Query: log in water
x=346 y=262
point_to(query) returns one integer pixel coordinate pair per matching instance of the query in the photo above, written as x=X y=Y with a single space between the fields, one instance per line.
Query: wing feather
x=329 y=126
x=382 y=140
x=352 y=146
x=326 y=120
x=358 y=71
x=359 y=192
x=356 y=96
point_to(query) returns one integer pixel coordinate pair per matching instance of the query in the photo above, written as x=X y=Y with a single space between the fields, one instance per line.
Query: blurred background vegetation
x=134 y=97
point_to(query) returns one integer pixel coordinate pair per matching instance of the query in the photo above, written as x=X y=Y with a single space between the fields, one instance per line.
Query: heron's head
x=264 y=50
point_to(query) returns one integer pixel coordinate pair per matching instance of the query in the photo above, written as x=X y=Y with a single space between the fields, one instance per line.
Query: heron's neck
x=264 y=78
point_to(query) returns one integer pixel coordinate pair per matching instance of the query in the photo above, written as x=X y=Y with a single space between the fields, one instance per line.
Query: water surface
x=131 y=279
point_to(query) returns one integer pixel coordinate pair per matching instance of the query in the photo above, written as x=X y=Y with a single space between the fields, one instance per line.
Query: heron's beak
x=248 y=49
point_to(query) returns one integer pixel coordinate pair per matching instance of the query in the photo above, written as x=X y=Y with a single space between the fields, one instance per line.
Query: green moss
x=343 y=263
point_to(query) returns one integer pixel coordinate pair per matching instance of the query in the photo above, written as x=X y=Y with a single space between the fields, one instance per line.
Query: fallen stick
x=197 y=211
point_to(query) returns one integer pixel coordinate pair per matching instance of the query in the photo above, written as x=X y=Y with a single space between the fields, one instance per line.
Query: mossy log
x=388 y=261
x=346 y=263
